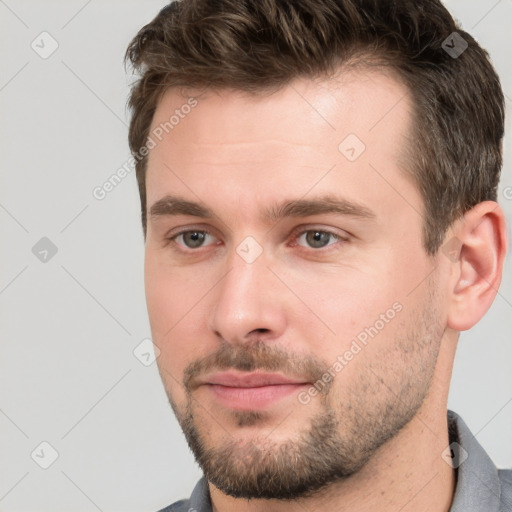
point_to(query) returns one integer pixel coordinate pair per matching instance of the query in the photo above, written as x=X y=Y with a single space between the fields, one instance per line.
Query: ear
x=476 y=251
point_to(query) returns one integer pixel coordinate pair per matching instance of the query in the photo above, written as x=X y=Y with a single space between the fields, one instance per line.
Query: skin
x=237 y=155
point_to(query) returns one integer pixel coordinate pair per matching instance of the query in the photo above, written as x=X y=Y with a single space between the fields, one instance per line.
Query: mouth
x=250 y=391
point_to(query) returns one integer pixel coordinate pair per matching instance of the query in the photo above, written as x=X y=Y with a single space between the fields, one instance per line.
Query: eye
x=192 y=239
x=317 y=239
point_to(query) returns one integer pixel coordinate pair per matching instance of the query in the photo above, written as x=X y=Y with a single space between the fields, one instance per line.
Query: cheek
x=171 y=295
x=356 y=314
x=172 y=308
x=344 y=301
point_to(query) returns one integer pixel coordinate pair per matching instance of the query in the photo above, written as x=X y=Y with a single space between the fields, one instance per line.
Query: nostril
x=261 y=331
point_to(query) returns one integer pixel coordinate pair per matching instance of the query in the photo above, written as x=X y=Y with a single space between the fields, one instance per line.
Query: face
x=288 y=290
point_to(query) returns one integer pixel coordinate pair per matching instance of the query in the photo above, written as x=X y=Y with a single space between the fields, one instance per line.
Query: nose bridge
x=246 y=299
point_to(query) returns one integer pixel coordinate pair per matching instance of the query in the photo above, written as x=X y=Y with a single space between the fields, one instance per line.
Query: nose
x=248 y=303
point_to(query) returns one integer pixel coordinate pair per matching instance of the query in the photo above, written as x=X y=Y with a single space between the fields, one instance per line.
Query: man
x=318 y=184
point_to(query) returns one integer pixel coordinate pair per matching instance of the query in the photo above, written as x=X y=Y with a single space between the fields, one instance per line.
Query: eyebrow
x=173 y=205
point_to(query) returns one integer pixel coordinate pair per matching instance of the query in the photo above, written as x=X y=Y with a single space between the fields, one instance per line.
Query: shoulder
x=199 y=500
x=505 y=476
x=178 y=506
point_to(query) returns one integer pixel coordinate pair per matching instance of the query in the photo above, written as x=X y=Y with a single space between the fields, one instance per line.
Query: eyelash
x=295 y=235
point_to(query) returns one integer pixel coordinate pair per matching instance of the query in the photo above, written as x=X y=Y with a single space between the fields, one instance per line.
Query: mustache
x=255 y=356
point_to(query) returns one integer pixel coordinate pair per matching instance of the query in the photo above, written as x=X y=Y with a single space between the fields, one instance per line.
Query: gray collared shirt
x=481 y=487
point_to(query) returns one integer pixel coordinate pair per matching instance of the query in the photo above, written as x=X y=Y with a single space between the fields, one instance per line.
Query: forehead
x=358 y=99
x=234 y=143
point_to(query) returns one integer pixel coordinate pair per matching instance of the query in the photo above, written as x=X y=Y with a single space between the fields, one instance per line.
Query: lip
x=250 y=391
x=250 y=380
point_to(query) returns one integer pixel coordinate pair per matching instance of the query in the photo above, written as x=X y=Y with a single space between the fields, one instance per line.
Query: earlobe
x=477 y=270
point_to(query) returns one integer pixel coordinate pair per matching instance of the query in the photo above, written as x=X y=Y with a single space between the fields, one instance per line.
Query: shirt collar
x=478 y=484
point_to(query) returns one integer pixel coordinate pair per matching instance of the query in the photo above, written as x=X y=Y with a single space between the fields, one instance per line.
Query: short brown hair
x=253 y=45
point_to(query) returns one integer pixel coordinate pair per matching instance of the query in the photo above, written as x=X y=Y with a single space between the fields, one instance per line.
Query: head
x=307 y=171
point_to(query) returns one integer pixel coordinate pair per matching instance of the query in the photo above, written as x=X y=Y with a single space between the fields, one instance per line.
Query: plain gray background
x=70 y=324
